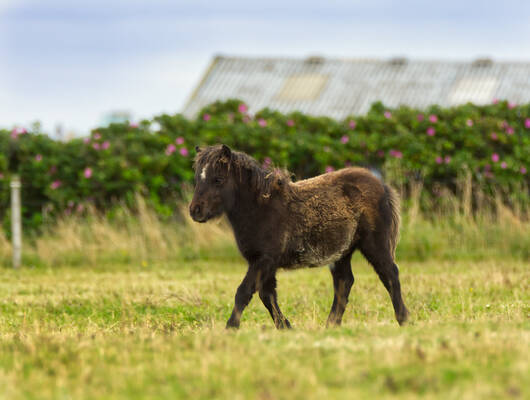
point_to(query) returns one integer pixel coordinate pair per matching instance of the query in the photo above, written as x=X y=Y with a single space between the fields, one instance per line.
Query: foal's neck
x=247 y=213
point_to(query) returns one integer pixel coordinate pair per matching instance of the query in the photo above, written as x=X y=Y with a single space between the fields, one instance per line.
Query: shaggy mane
x=264 y=182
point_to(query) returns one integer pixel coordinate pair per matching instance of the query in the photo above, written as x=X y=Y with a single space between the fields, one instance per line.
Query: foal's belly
x=322 y=246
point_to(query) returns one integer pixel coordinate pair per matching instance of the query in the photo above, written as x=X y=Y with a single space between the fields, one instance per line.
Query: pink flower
x=242 y=108
x=495 y=101
x=511 y=105
x=105 y=145
x=494 y=136
x=380 y=153
x=439 y=160
x=527 y=123
x=55 y=184
x=1 y=175
x=179 y=140
x=396 y=153
x=421 y=117
x=80 y=208
x=134 y=125
x=345 y=139
x=504 y=165
x=246 y=119
x=387 y=114
x=329 y=168
x=487 y=167
x=469 y=122
x=184 y=152
x=18 y=131
x=447 y=159
x=509 y=130
x=431 y=131
x=290 y=122
x=52 y=170
x=97 y=135
x=522 y=170
x=87 y=172
x=433 y=118
x=267 y=162
x=352 y=124
x=495 y=157
x=96 y=146
x=170 y=149
x=206 y=117
x=38 y=157
x=86 y=140
x=262 y=122
x=488 y=174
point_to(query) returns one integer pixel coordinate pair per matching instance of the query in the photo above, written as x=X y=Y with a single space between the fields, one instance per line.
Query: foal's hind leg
x=342 y=283
x=267 y=294
x=379 y=255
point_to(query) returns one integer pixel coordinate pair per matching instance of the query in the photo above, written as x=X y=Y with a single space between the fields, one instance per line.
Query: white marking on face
x=203 y=172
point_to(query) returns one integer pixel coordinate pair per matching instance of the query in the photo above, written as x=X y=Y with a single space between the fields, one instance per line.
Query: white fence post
x=16 y=226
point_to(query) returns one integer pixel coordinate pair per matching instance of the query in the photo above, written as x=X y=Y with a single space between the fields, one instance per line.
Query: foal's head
x=221 y=175
x=214 y=183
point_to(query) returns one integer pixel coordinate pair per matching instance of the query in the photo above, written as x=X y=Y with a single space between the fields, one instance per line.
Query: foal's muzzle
x=197 y=213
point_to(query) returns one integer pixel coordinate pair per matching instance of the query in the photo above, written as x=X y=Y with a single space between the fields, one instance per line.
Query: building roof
x=340 y=87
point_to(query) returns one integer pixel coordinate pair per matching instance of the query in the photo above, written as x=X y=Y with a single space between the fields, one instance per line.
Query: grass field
x=148 y=330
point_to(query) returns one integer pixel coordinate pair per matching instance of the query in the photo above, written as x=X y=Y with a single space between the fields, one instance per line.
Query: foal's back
x=329 y=213
x=346 y=192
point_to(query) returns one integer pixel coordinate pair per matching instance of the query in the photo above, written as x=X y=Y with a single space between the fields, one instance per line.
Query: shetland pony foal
x=278 y=223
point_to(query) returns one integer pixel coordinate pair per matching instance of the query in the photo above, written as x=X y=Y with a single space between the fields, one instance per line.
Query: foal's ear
x=225 y=151
x=198 y=149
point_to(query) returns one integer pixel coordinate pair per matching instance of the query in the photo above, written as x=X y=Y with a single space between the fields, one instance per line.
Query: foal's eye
x=218 y=181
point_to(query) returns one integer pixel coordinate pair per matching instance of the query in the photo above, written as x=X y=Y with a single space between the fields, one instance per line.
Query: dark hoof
x=403 y=318
x=332 y=322
x=284 y=325
x=232 y=325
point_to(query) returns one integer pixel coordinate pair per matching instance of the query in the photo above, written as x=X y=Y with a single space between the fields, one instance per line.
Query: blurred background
x=76 y=65
x=103 y=102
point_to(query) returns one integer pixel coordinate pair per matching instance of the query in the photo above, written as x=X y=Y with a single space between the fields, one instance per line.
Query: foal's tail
x=394 y=203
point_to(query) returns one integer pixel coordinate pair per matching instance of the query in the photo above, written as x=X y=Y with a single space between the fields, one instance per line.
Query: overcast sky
x=70 y=62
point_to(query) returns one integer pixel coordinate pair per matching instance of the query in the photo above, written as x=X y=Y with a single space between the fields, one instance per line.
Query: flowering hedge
x=435 y=145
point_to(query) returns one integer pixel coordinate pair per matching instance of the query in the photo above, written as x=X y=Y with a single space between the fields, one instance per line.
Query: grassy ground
x=157 y=331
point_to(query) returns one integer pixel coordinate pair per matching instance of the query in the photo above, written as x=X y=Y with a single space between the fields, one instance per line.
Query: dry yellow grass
x=449 y=233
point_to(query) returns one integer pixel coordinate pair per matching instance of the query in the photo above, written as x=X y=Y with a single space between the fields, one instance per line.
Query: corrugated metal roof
x=338 y=88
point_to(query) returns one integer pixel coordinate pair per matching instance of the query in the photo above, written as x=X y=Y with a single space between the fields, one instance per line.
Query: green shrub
x=434 y=146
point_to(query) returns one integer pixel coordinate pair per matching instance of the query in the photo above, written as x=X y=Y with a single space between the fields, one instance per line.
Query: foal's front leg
x=267 y=294
x=244 y=294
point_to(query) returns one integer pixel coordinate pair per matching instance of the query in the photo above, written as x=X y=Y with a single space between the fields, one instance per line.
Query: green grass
x=157 y=331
